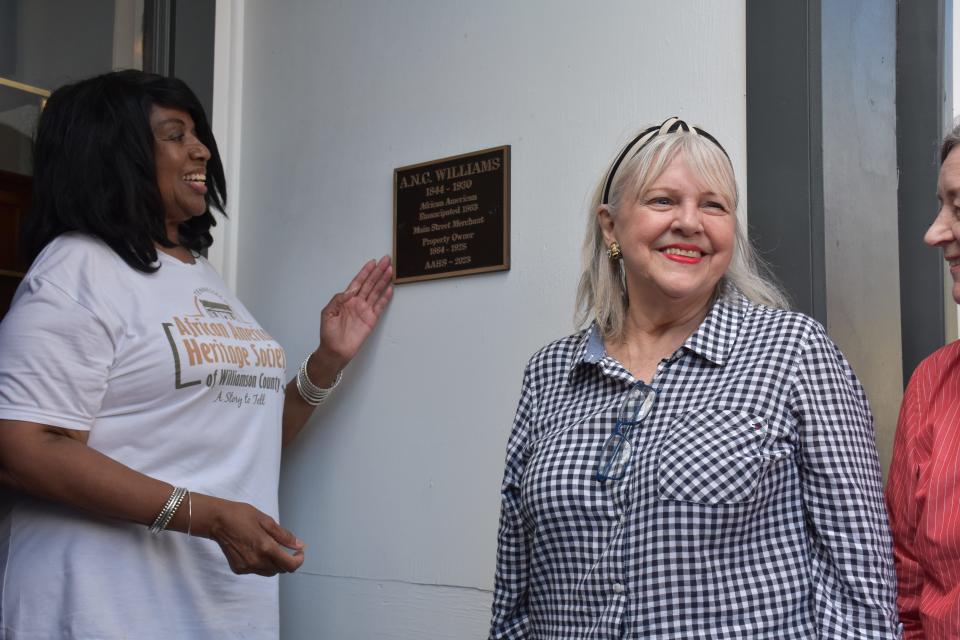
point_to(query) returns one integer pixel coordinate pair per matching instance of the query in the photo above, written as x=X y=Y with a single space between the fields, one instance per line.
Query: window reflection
x=47 y=43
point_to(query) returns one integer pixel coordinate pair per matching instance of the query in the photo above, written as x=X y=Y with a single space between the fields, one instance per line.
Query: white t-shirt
x=174 y=378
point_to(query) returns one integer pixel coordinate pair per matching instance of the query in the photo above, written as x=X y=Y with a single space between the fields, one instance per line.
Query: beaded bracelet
x=311 y=393
x=166 y=514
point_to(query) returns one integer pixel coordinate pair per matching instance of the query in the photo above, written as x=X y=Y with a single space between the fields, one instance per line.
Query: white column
x=225 y=120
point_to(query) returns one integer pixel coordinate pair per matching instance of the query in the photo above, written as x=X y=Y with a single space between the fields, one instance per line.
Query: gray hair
x=602 y=293
x=950 y=141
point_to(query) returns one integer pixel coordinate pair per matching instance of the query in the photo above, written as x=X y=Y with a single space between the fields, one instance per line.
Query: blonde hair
x=602 y=293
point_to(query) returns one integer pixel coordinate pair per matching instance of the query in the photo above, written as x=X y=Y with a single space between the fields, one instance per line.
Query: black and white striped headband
x=670 y=125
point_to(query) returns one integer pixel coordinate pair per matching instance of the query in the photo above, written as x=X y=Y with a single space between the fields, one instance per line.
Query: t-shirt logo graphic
x=217 y=309
x=216 y=335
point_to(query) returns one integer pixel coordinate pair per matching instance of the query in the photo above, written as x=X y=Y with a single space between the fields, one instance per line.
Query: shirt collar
x=715 y=336
x=589 y=349
x=712 y=340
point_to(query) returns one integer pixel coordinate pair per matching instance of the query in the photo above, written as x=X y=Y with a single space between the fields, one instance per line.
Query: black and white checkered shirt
x=752 y=509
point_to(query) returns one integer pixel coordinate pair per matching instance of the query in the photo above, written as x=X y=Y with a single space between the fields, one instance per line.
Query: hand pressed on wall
x=351 y=316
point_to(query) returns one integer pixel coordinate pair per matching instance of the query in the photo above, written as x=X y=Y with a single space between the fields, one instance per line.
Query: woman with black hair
x=137 y=394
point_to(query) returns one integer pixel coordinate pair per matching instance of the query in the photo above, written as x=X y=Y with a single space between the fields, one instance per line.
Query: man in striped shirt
x=923 y=490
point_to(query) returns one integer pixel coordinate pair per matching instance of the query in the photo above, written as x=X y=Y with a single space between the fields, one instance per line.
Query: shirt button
x=617 y=587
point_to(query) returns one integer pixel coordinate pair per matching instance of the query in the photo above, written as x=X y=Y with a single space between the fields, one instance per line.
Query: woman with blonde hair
x=698 y=461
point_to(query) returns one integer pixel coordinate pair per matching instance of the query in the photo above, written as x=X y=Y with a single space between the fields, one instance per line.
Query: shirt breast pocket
x=716 y=456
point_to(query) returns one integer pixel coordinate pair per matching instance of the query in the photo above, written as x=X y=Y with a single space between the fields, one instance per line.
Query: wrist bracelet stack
x=311 y=393
x=169 y=509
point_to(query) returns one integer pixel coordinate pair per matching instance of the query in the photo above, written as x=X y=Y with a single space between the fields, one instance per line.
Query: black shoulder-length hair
x=94 y=169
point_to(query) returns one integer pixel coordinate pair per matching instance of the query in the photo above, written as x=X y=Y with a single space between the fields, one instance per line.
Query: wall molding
x=226 y=122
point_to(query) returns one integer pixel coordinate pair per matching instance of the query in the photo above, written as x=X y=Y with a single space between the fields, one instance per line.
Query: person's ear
x=607 y=223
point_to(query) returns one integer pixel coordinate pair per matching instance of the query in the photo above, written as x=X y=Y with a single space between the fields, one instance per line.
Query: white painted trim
x=225 y=120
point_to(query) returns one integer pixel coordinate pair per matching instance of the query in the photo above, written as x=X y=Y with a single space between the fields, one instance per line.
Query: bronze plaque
x=451 y=217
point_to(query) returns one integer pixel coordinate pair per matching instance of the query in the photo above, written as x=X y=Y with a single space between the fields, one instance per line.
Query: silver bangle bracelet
x=311 y=393
x=155 y=527
x=169 y=509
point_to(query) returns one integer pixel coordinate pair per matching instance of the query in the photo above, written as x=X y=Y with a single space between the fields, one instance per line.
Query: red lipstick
x=682 y=253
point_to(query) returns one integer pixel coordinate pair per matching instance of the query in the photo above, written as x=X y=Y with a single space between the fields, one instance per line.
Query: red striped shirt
x=923 y=497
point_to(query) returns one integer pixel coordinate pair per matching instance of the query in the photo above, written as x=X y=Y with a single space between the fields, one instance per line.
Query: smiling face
x=181 y=161
x=945 y=230
x=677 y=238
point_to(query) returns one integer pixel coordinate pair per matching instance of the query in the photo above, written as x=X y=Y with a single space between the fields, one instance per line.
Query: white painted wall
x=394 y=486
